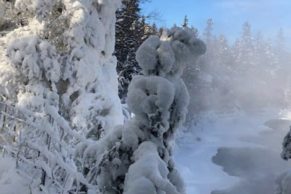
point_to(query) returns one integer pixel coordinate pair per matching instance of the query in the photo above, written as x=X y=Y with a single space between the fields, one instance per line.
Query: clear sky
x=267 y=16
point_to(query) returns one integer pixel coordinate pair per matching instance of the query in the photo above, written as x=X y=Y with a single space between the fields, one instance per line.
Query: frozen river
x=233 y=154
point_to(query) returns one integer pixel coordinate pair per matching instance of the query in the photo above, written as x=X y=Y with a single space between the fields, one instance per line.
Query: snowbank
x=10 y=181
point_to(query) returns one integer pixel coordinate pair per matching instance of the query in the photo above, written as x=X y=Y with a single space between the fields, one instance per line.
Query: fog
x=250 y=74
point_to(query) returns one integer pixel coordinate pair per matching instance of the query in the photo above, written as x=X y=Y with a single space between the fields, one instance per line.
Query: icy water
x=258 y=168
x=233 y=154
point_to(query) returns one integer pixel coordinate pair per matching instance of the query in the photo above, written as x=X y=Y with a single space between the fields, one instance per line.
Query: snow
x=10 y=181
x=91 y=66
x=57 y=151
x=195 y=149
x=146 y=54
x=148 y=168
x=150 y=94
x=34 y=57
x=283 y=181
x=70 y=86
x=193 y=154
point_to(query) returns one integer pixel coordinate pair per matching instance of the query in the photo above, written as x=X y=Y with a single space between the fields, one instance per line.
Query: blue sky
x=267 y=16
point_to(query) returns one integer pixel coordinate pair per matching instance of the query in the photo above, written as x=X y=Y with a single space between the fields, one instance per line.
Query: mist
x=249 y=75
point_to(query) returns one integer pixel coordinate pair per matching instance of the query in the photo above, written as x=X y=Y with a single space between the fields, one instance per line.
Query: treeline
x=251 y=72
x=131 y=30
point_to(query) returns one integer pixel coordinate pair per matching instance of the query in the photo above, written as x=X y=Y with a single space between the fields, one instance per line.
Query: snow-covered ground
x=10 y=181
x=222 y=154
x=224 y=151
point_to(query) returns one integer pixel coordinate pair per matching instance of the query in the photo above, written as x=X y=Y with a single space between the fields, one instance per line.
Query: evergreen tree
x=59 y=73
x=209 y=39
x=136 y=157
x=280 y=41
x=191 y=77
x=244 y=49
x=130 y=31
x=282 y=57
x=283 y=181
x=153 y=30
x=208 y=32
x=185 y=22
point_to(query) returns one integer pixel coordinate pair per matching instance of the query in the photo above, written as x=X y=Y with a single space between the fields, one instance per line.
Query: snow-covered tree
x=208 y=31
x=244 y=49
x=59 y=72
x=280 y=41
x=132 y=29
x=185 y=22
x=136 y=157
x=130 y=32
x=283 y=181
x=286 y=153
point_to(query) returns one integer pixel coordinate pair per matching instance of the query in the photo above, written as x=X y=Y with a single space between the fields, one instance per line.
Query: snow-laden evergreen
x=137 y=157
x=283 y=181
x=58 y=77
x=286 y=153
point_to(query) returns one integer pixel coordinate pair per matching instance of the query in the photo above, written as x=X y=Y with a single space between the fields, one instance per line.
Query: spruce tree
x=185 y=22
x=129 y=35
x=208 y=31
x=137 y=157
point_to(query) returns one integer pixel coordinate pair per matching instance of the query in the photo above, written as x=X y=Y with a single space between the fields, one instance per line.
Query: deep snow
x=222 y=154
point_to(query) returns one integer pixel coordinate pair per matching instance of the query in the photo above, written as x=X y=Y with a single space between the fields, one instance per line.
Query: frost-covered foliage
x=129 y=36
x=286 y=153
x=131 y=30
x=91 y=99
x=168 y=59
x=10 y=181
x=59 y=74
x=136 y=157
x=284 y=180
